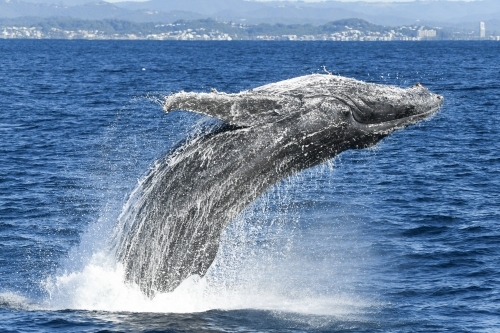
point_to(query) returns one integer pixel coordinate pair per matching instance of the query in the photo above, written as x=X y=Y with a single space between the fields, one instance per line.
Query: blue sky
x=313 y=0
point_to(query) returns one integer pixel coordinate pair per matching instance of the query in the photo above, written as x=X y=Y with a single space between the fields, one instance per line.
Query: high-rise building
x=421 y=33
x=482 y=30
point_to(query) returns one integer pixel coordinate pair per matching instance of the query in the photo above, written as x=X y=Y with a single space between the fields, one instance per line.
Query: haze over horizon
x=443 y=13
x=310 y=0
x=314 y=0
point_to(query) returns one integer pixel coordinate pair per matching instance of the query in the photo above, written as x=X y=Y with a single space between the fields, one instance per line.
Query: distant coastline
x=212 y=30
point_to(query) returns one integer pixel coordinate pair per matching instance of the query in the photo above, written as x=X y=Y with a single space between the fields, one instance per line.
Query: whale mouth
x=402 y=121
x=378 y=111
x=391 y=106
x=384 y=113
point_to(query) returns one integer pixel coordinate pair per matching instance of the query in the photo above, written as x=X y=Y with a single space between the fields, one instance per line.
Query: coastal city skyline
x=251 y=20
x=342 y=30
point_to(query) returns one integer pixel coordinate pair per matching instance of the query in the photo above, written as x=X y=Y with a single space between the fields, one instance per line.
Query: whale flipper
x=244 y=109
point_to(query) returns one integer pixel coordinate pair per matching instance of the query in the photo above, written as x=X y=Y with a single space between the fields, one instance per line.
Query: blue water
x=404 y=237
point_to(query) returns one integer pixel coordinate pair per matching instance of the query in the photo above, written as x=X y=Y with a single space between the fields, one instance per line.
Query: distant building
x=421 y=33
x=482 y=30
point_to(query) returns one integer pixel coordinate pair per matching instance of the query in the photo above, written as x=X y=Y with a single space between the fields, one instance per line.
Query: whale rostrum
x=171 y=227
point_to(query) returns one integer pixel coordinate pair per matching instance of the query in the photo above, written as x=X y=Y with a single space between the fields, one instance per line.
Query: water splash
x=266 y=261
x=263 y=263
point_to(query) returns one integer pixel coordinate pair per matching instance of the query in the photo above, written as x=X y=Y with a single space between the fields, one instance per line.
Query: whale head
x=334 y=113
x=377 y=108
x=370 y=107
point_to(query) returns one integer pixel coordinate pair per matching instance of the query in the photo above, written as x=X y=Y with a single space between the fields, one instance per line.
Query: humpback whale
x=174 y=220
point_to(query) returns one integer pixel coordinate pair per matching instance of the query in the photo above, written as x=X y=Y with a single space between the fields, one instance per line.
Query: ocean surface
x=402 y=237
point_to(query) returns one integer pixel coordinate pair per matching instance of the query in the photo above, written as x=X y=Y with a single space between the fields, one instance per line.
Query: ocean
x=401 y=237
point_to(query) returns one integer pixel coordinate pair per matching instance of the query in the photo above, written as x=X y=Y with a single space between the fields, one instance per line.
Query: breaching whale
x=174 y=219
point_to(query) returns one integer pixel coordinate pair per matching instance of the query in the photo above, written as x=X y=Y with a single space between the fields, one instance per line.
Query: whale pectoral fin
x=243 y=109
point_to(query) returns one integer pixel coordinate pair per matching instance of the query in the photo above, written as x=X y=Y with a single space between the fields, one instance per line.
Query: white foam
x=260 y=265
x=242 y=277
x=14 y=301
x=101 y=287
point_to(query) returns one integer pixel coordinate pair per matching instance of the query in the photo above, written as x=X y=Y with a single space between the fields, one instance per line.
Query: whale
x=174 y=219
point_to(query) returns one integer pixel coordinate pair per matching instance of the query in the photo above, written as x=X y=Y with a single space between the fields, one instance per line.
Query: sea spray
x=124 y=153
x=265 y=262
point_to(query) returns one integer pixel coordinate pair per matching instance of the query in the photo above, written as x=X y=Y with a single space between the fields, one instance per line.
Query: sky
x=312 y=0
x=305 y=0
